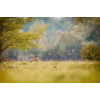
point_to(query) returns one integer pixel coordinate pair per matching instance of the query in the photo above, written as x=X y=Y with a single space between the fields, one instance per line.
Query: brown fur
x=34 y=59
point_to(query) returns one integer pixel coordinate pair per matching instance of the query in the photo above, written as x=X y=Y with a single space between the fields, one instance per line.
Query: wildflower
x=13 y=66
x=91 y=63
x=57 y=67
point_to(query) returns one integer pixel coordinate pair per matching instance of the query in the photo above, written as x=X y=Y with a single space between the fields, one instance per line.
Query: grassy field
x=50 y=72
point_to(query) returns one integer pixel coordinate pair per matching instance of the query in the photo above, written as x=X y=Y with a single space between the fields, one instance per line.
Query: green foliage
x=91 y=52
x=12 y=37
x=55 y=67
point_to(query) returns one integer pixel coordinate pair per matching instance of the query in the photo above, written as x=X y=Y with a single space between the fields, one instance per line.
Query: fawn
x=34 y=59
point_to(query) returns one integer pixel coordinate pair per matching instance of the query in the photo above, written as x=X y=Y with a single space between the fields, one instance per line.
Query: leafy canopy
x=11 y=35
x=91 y=52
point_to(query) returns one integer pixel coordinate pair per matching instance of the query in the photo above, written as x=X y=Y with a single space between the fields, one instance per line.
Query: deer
x=35 y=59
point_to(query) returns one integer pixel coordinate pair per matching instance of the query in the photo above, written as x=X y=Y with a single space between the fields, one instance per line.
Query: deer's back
x=33 y=59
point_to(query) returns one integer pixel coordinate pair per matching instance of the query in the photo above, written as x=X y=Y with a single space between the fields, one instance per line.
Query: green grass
x=50 y=72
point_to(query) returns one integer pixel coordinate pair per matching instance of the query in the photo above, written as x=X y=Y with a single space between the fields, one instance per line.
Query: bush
x=91 y=52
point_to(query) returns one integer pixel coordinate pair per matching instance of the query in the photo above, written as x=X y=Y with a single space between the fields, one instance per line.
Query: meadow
x=50 y=72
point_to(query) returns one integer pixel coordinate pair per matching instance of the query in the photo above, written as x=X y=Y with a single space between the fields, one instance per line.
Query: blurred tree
x=77 y=20
x=93 y=27
x=13 y=53
x=12 y=37
x=96 y=24
x=91 y=52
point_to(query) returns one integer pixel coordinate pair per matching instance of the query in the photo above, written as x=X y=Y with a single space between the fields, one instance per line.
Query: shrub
x=91 y=52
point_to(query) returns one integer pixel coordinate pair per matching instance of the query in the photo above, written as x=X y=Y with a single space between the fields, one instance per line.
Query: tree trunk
x=0 y=56
x=1 y=51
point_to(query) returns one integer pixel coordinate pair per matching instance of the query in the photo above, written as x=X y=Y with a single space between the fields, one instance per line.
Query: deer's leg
x=37 y=61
